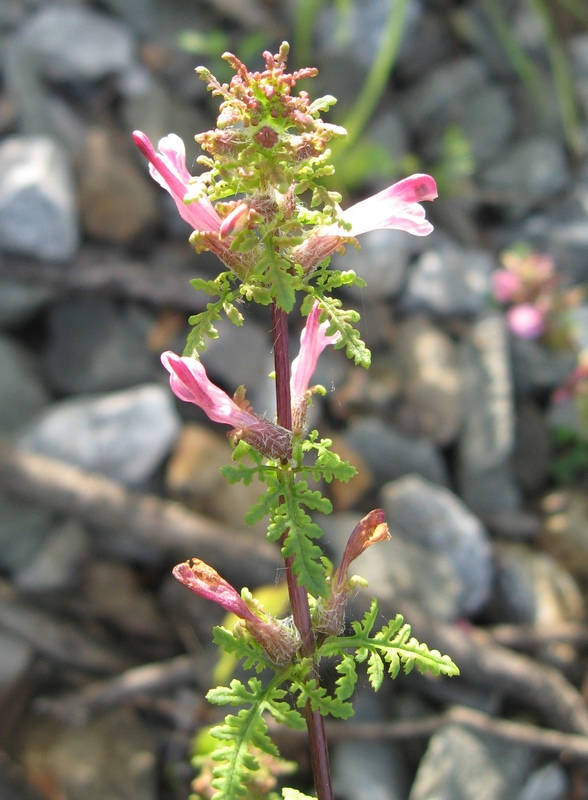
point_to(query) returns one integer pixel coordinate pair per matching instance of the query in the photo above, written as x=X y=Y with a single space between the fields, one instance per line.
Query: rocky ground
x=458 y=430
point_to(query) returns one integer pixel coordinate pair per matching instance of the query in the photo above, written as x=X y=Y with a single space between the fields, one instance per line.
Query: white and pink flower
x=397 y=207
x=189 y=382
x=313 y=341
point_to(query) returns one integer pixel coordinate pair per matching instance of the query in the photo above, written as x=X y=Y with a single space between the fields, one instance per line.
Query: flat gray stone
x=462 y=764
x=73 y=43
x=37 y=199
x=436 y=520
x=124 y=435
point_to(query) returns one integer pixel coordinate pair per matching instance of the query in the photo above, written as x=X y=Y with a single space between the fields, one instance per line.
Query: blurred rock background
x=471 y=437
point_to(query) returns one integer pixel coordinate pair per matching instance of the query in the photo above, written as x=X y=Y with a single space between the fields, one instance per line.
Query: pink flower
x=313 y=341
x=168 y=168
x=189 y=382
x=525 y=320
x=329 y=615
x=278 y=638
x=205 y=581
x=395 y=208
x=506 y=285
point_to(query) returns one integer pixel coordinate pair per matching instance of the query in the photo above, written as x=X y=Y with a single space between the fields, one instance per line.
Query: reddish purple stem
x=317 y=740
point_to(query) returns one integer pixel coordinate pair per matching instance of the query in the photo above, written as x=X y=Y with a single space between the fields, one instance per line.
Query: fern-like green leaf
x=347 y=679
x=294 y=794
x=320 y=700
x=375 y=670
x=263 y=506
x=394 y=644
x=242 y=735
x=243 y=648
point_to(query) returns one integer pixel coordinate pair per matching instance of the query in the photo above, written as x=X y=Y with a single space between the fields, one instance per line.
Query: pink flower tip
x=526 y=321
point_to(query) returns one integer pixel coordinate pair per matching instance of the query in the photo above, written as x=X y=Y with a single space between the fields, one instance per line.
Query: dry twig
x=166 y=526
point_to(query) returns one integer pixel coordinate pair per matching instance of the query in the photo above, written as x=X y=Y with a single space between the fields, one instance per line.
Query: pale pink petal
x=189 y=382
x=506 y=285
x=396 y=207
x=525 y=320
x=313 y=341
x=168 y=168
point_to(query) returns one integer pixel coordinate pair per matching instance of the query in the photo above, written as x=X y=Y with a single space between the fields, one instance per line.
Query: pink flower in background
x=279 y=639
x=189 y=382
x=526 y=320
x=506 y=285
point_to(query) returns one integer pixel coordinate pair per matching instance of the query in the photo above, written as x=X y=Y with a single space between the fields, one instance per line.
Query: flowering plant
x=261 y=207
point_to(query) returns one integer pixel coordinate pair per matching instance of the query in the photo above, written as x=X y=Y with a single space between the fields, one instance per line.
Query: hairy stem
x=317 y=741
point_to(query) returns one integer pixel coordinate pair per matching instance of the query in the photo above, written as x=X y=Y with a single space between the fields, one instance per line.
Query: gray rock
x=531 y=459
x=94 y=344
x=56 y=563
x=578 y=50
x=124 y=435
x=23 y=529
x=382 y=262
x=113 y=756
x=22 y=393
x=369 y=770
x=462 y=764
x=549 y=782
x=567 y=240
x=487 y=435
x=37 y=199
x=535 y=368
x=430 y=100
x=532 y=170
x=15 y=657
x=240 y=356
x=487 y=121
x=430 y=379
x=19 y=302
x=436 y=520
x=449 y=281
x=389 y=454
x=73 y=43
x=531 y=588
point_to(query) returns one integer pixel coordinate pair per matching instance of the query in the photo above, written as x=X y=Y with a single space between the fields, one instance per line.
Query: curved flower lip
x=168 y=168
x=189 y=382
x=369 y=530
x=396 y=207
x=205 y=581
x=313 y=341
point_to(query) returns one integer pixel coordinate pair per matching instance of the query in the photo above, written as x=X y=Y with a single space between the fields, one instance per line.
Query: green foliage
x=293 y=526
x=393 y=645
x=203 y=324
x=328 y=465
x=570 y=461
x=340 y=320
x=287 y=496
x=244 y=734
